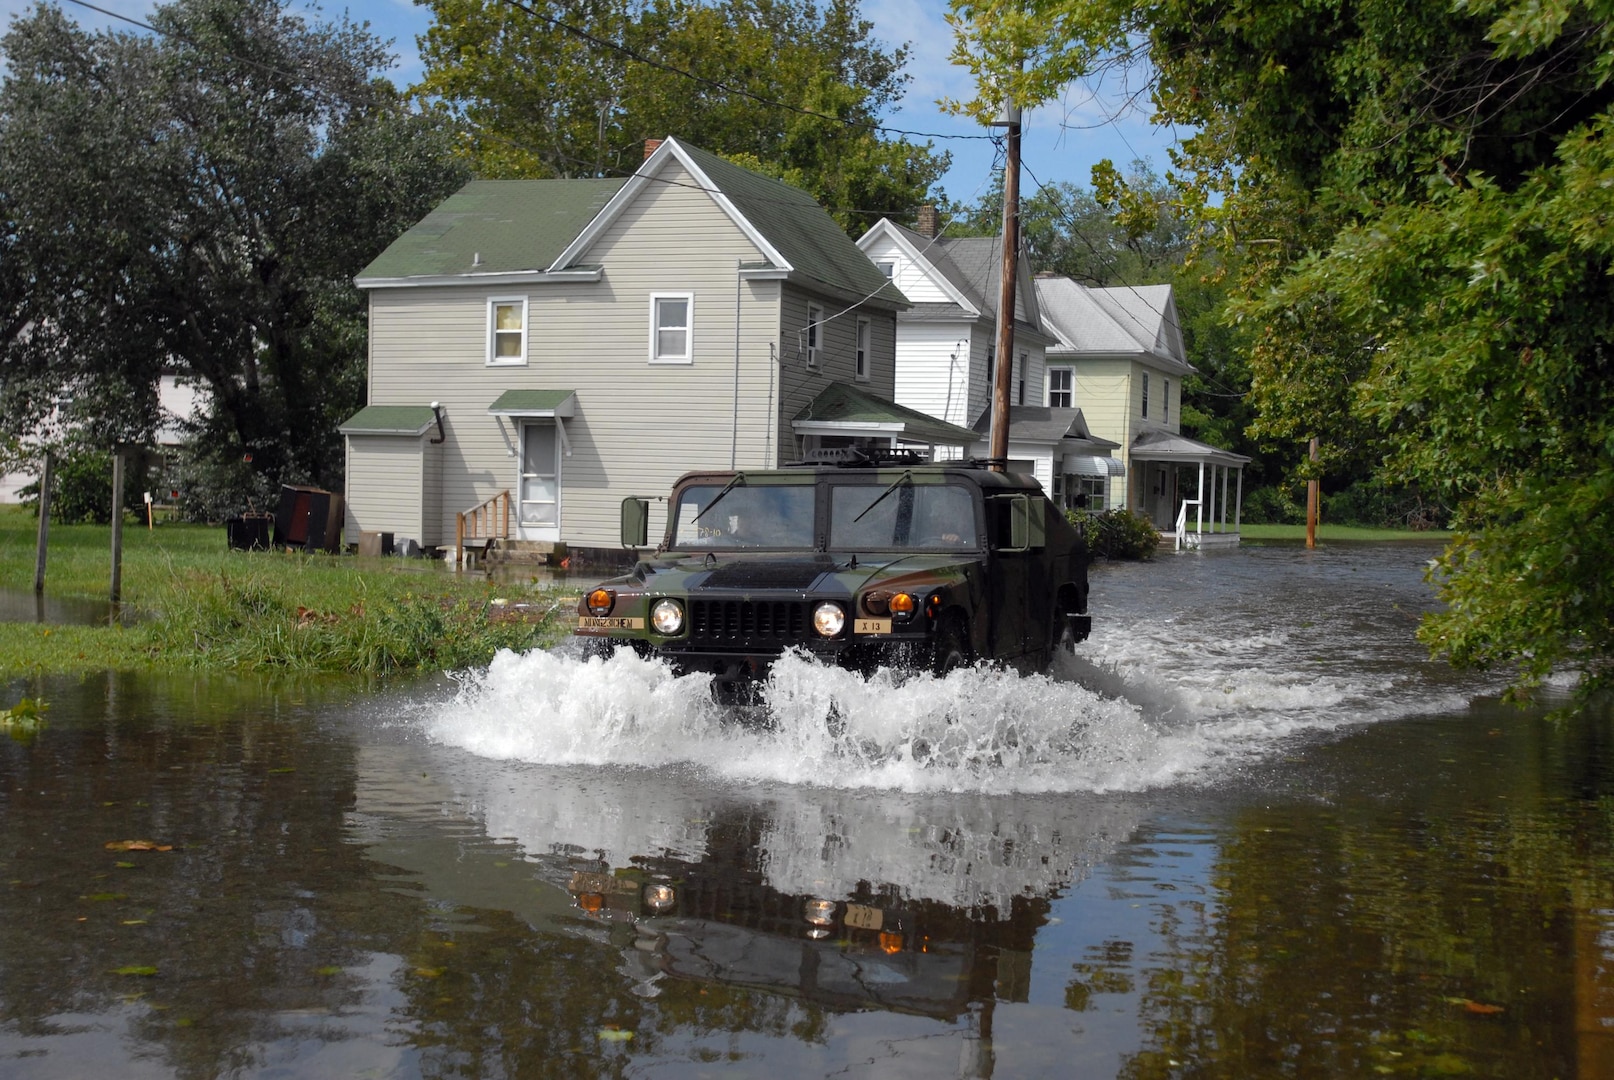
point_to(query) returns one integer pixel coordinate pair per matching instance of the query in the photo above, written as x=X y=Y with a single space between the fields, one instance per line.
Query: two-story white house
x=946 y=358
x=573 y=342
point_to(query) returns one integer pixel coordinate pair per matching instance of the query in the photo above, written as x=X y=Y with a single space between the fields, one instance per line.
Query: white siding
x=915 y=281
x=386 y=486
x=837 y=356
x=933 y=370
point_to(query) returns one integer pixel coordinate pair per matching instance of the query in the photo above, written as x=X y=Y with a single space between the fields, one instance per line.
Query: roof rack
x=864 y=457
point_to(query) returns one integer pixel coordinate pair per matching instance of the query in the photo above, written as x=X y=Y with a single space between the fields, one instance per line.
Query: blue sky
x=1062 y=140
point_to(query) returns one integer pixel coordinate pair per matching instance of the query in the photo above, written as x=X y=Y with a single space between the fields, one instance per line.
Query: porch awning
x=1094 y=465
x=843 y=409
x=535 y=403
x=389 y=420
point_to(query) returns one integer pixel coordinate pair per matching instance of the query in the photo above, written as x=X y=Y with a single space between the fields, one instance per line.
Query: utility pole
x=1003 y=376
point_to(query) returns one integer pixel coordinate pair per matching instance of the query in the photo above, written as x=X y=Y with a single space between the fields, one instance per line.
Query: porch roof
x=1171 y=447
x=540 y=403
x=843 y=409
x=389 y=420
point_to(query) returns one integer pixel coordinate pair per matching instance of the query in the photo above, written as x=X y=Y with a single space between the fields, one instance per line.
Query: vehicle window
x=744 y=517
x=931 y=517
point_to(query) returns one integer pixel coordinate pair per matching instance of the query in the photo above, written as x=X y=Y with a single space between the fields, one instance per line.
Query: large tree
x=543 y=89
x=198 y=200
x=1414 y=200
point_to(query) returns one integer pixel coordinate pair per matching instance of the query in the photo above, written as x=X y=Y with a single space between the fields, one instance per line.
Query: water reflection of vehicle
x=866 y=950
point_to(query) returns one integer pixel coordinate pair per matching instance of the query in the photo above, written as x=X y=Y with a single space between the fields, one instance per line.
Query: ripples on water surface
x=1248 y=830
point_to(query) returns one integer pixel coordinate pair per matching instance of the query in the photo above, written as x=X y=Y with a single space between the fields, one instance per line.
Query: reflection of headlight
x=658 y=898
x=828 y=619
x=667 y=616
x=819 y=912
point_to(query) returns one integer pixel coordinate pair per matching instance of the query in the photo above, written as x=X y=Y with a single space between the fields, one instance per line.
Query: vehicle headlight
x=819 y=912
x=903 y=605
x=600 y=601
x=659 y=898
x=667 y=616
x=829 y=619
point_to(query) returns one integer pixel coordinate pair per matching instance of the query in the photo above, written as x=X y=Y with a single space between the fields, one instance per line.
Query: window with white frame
x=815 y=333
x=1146 y=395
x=887 y=267
x=1165 y=401
x=1020 y=386
x=1061 y=388
x=862 y=372
x=672 y=316
x=507 y=330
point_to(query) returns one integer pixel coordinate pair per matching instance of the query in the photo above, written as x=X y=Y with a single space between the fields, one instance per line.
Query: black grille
x=747 y=622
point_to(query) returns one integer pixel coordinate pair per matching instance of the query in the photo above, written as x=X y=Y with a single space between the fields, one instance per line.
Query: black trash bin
x=250 y=532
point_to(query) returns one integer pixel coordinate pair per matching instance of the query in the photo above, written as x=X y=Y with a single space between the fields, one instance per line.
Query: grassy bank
x=194 y=604
x=1327 y=533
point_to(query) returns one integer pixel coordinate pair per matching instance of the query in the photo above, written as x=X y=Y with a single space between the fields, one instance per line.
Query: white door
x=539 y=498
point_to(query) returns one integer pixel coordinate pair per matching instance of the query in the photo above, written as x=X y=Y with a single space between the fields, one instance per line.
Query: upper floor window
x=886 y=267
x=1165 y=401
x=991 y=368
x=862 y=372
x=1061 y=388
x=1020 y=386
x=1146 y=395
x=815 y=333
x=671 y=319
x=507 y=330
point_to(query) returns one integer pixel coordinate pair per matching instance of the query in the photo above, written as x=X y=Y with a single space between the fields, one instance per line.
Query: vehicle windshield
x=906 y=515
x=746 y=516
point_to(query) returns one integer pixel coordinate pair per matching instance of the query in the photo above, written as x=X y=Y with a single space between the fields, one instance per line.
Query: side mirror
x=635 y=522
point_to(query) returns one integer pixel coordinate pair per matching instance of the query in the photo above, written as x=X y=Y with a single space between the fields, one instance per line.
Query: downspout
x=773 y=421
x=734 y=444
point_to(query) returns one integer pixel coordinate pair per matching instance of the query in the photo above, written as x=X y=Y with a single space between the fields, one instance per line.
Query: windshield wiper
x=905 y=478
x=739 y=478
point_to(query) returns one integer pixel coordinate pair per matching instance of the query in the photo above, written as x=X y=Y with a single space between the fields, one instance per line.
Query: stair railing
x=488 y=520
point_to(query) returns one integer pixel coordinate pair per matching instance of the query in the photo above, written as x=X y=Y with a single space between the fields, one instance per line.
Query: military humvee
x=875 y=559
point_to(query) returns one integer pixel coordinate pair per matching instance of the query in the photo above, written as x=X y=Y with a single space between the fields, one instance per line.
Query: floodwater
x=1248 y=831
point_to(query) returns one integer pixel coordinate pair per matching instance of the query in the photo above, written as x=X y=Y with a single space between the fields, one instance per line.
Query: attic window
x=887 y=267
x=670 y=325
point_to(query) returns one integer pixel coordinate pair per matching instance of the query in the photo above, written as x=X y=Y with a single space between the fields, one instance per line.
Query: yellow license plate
x=862 y=917
x=607 y=884
x=871 y=626
x=591 y=622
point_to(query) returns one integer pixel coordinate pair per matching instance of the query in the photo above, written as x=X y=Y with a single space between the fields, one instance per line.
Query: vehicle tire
x=950 y=648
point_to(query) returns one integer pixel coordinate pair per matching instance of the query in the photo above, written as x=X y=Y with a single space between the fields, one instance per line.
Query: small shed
x=394 y=473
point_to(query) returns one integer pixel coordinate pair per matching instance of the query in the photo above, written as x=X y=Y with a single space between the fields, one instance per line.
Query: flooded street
x=1249 y=830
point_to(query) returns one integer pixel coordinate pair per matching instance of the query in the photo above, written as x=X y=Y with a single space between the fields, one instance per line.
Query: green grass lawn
x=194 y=604
x=1327 y=533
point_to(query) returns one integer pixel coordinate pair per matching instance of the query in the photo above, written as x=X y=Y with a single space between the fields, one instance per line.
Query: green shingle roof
x=801 y=230
x=531 y=402
x=844 y=403
x=511 y=225
x=389 y=420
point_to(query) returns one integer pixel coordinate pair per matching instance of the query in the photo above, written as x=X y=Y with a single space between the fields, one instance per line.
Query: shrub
x=82 y=485
x=1118 y=534
x=215 y=483
x=1273 y=506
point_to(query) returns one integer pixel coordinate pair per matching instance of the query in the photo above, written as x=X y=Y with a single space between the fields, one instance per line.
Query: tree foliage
x=198 y=201
x=545 y=89
x=1414 y=202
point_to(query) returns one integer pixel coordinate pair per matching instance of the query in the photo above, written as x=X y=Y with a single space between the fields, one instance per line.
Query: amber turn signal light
x=600 y=601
